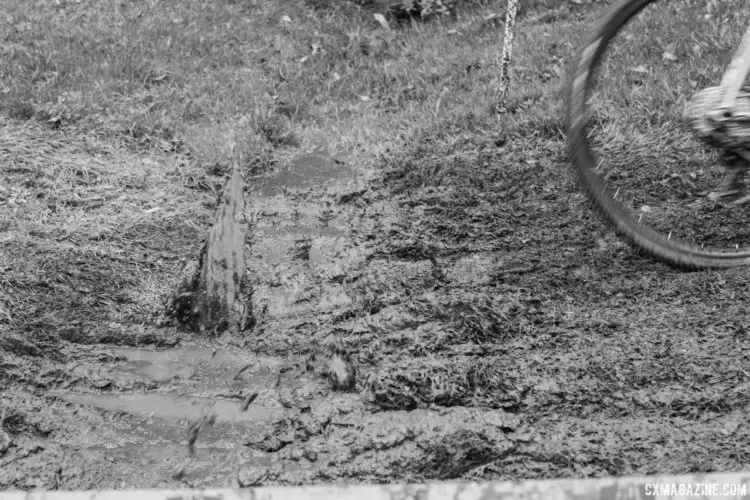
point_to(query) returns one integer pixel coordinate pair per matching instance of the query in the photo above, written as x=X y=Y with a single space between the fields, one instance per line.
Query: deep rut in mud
x=212 y=413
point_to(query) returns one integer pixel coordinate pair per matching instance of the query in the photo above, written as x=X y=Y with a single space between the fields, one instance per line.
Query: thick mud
x=202 y=412
x=521 y=352
x=496 y=335
x=499 y=332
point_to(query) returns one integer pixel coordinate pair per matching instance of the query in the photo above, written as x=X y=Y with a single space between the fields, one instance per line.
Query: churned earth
x=498 y=332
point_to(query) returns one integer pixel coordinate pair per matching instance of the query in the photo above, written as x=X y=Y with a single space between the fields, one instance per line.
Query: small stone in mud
x=339 y=368
x=5 y=442
x=179 y=474
x=334 y=363
x=101 y=383
x=310 y=455
x=248 y=400
x=250 y=477
x=269 y=444
x=287 y=436
x=194 y=429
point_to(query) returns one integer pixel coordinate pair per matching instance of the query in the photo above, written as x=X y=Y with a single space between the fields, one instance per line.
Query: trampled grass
x=117 y=115
x=115 y=126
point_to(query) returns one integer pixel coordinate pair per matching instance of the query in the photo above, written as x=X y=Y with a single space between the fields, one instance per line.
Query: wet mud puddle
x=195 y=407
x=189 y=407
x=185 y=384
x=218 y=414
x=303 y=253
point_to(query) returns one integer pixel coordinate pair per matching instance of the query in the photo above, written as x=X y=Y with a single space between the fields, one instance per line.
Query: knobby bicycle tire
x=650 y=241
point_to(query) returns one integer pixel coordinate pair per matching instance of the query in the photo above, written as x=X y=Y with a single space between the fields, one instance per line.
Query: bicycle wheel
x=630 y=142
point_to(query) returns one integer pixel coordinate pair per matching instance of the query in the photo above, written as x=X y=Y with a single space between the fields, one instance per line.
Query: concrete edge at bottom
x=696 y=486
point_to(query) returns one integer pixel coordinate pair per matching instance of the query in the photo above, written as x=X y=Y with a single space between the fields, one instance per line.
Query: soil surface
x=189 y=412
x=207 y=413
x=499 y=332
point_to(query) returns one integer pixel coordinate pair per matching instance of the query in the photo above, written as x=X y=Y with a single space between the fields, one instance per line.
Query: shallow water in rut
x=211 y=412
x=187 y=385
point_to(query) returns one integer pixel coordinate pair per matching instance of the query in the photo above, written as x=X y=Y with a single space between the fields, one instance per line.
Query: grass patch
x=115 y=128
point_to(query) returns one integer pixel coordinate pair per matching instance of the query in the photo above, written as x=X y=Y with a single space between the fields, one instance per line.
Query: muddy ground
x=497 y=331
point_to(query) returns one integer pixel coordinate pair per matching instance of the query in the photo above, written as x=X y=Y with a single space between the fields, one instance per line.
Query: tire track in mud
x=218 y=413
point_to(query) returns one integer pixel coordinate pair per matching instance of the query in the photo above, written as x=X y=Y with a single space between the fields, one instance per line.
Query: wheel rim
x=637 y=157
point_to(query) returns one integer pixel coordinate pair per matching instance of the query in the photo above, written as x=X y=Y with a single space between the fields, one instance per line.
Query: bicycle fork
x=732 y=81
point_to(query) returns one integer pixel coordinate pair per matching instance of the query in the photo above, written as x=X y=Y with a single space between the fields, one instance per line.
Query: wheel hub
x=728 y=129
